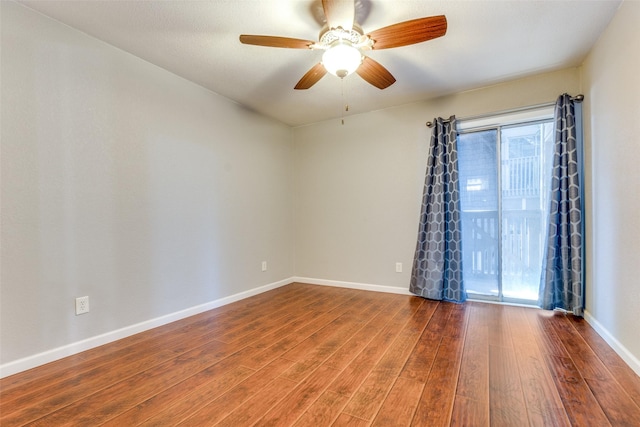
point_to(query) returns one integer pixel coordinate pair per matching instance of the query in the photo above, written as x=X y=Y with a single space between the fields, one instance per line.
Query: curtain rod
x=577 y=98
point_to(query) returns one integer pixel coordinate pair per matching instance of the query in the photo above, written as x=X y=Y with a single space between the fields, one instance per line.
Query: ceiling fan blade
x=274 y=41
x=311 y=77
x=409 y=32
x=374 y=73
x=339 y=13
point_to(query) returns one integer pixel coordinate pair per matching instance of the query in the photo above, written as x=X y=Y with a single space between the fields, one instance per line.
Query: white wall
x=612 y=135
x=128 y=184
x=359 y=185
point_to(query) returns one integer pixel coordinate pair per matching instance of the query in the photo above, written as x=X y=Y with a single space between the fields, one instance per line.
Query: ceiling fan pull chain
x=345 y=99
x=342 y=110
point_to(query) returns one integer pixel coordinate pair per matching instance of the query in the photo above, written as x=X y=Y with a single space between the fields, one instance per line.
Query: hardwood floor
x=309 y=355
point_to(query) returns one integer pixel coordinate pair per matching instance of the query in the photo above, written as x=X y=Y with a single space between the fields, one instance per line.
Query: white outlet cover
x=82 y=305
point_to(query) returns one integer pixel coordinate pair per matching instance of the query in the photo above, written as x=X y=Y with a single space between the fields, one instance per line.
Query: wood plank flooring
x=304 y=355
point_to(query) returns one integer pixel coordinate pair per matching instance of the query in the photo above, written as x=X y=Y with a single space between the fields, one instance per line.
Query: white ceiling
x=486 y=42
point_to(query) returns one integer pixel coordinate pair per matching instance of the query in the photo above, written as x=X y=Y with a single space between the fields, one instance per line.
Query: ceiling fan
x=342 y=39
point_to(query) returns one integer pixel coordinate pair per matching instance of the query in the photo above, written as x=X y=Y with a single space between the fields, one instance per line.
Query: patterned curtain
x=561 y=284
x=437 y=265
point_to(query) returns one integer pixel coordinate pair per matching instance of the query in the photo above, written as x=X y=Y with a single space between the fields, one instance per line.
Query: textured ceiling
x=486 y=42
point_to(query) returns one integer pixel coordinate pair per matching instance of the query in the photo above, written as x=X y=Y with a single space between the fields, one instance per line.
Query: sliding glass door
x=504 y=179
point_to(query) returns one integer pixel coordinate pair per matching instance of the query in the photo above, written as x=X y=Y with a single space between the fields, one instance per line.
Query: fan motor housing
x=328 y=36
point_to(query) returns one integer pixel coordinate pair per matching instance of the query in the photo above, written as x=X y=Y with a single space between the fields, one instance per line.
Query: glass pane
x=477 y=162
x=525 y=175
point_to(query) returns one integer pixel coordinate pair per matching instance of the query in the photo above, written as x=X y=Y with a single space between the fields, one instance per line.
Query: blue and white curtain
x=437 y=265
x=561 y=283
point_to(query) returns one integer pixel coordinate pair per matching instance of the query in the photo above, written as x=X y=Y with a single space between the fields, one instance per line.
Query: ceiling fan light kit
x=342 y=39
x=341 y=59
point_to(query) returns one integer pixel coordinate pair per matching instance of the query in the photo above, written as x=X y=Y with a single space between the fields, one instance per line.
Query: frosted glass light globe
x=341 y=59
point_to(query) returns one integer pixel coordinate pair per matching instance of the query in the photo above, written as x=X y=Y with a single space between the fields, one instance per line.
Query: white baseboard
x=353 y=285
x=622 y=351
x=30 y=362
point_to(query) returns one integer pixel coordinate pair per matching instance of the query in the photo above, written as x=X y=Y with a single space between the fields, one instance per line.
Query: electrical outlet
x=398 y=267
x=82 y=305
x=264 y=265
